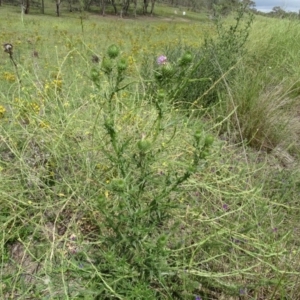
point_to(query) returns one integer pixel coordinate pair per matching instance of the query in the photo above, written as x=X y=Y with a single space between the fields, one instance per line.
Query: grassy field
x=124 y=177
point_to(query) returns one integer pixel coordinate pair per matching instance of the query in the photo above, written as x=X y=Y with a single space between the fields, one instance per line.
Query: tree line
x=122 y=6
x=279 y=12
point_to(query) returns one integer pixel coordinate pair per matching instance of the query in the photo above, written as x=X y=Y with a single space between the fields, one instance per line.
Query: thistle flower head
x=161 y=60
x=8 y=48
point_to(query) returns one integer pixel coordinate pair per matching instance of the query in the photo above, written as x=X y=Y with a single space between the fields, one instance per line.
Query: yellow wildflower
x=9 y=76
x=2 y=111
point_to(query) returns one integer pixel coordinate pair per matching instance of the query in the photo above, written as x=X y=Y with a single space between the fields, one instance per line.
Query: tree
x=58 y=2
x=278 y=12
x=42 y=6
x=249 y=4
x=145 y=6
x=103 y=6
x=26 y=6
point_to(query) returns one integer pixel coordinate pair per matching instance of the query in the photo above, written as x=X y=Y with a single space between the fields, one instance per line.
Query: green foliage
x=196 y=73
x=171 y=79
x=220 y=55
x=264 y=93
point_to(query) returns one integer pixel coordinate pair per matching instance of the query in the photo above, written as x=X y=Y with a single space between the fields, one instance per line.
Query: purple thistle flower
x=225 y=207
x=198 y=298
x=242 y=292
x=236 y=241
x=161 y=60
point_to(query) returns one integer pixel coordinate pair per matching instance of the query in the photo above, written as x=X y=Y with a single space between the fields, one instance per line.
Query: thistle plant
x=172 y=77
x=138 y=203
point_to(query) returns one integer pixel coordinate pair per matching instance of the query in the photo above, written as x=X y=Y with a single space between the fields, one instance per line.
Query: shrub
x=201 y=83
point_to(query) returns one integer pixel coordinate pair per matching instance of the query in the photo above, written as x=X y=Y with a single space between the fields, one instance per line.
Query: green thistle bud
x=113 y=51
x=186 y=59
x=161 y=94
x=192 y=169
x=162 y=241
x=209 y=139
x=198 y=135
x=118 y=184
x=204 y=154
x=95 y=74
x=107 y=64
x=122 y=65
x=144 y=145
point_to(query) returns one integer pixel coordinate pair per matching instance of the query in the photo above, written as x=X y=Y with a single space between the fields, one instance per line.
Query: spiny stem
x=14 y=63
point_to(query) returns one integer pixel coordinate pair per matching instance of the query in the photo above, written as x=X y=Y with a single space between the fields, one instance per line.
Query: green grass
x=267 y=105
x=110 y=191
